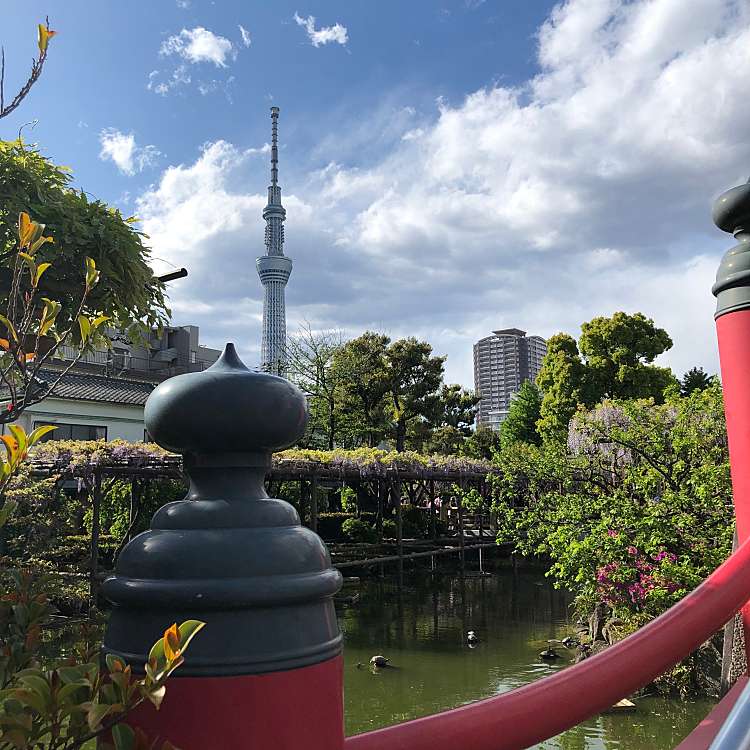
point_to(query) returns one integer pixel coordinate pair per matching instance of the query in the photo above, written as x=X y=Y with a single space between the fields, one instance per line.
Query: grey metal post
x=236 y=559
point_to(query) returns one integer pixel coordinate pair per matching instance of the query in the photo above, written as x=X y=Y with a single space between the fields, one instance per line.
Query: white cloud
x=412 y=135
x=214 y=85
x=246 y=38
x=183 y=4
x=178 y=77
x=122 y=149
x=325 y=34
x=199 y=45
x=584 y=191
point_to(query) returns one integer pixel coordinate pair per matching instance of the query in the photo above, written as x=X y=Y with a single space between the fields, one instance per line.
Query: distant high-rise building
x=502 y=362
x=274 y=268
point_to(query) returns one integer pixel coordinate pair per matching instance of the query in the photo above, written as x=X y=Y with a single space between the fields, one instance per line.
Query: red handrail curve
x=543 y=709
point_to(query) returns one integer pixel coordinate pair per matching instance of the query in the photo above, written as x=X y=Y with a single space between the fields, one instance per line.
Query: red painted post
x=731 y=213
x=266 y=671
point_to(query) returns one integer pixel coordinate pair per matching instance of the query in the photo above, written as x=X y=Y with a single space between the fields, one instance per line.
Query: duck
x=549 y=654
x=570 y=642
x=379 y=662
x=472 y=638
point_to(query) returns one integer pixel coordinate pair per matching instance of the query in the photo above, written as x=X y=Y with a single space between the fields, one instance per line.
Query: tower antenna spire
x=274 y=146
x=274 y=268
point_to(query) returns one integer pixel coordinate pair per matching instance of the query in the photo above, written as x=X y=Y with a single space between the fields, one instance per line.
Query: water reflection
x=422 y=628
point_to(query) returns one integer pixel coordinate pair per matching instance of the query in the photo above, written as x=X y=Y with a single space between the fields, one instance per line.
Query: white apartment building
x=502 y=362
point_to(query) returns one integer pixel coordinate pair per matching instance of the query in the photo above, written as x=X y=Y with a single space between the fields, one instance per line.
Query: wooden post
x=459 y=499
x=96 y=506
x=379 y=516
x=396 y=493
x=314 y=502
x=433 y=523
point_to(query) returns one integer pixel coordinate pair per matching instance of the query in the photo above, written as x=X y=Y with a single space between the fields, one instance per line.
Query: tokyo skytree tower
x=274 y=268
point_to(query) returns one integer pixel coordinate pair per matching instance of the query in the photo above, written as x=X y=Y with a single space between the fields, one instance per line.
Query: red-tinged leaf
x=114 y=664
x=171 y=642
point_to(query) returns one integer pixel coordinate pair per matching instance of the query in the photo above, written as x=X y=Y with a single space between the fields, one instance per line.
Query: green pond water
x=421 y=626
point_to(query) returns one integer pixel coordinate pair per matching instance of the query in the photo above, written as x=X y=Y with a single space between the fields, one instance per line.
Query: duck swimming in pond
x=379 y=662
x=570 y=642
x=549 y=654
x=472 y=638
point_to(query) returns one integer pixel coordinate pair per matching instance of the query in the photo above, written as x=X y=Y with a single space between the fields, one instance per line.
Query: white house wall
x=122 y=421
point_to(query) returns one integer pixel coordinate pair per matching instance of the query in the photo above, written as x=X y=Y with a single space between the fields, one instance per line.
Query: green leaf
x=8 y=509
x=39 y=242
x=96 y=713
x=20 y=435
x=42 y=39
x=9 y=326
x=123 y=736
x=49 y=315
x=40 y=432
x=92 y=275
x=40 y=269
x=85 y=326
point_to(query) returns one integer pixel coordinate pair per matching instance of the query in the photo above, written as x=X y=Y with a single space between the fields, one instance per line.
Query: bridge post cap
x=731 y=210
x=226 y=409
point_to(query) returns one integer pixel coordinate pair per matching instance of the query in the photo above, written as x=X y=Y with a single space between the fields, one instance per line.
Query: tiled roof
x=84 y=387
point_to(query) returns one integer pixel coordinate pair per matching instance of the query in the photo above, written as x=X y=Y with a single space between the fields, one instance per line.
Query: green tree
x=388 y=389
x=562 y=382
x=695 y=379
x=311 y=356
x=361 y=368
x=525 y=411
x=483 y=443
x=451 y=423
x=414 y=378
x=619 y=352
x=456 y=407
x=445 y=441
x=130 y=295
x=612 y=359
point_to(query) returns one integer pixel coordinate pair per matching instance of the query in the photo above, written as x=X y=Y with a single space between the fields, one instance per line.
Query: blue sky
x=448 y=167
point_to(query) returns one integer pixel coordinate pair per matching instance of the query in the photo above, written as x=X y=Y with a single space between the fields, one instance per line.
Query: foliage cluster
x=64 y=704
x=358 y=530
x=613 y=359
x=377 y=462
x=634 y=512
x=130 y=294
x=371 y=389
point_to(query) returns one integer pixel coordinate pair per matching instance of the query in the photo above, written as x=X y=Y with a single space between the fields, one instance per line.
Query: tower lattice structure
x=274 y=268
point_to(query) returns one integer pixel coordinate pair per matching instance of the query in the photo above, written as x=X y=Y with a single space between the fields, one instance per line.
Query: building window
x=73 y=431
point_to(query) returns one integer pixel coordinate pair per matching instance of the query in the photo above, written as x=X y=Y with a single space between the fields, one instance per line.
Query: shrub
x=413 y=521
x=359 y=531
x=329 y=525
x=635 y=513
x=348 y=499
x=389 y=529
